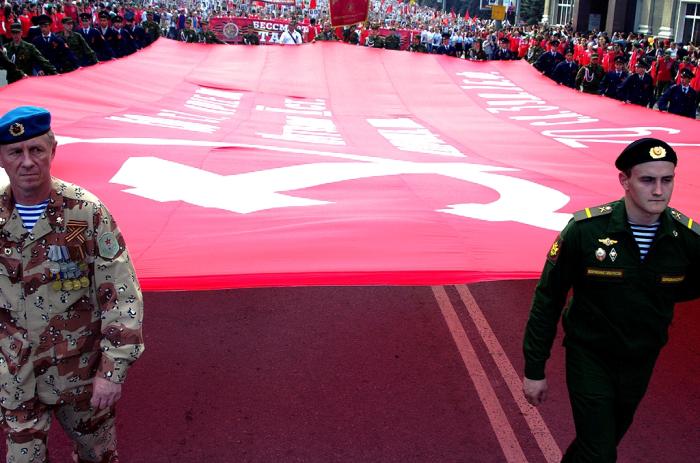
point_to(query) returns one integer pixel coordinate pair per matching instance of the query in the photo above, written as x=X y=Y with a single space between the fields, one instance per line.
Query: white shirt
x=287 y=38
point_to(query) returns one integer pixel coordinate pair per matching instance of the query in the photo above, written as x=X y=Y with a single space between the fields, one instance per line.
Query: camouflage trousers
x=92 y=431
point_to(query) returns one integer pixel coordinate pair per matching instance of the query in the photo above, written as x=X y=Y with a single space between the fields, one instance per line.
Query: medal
x=67 y=285
x=613 y=254
x=57 y=285
x=84 y=282
x=600 y=254
x=76 y=284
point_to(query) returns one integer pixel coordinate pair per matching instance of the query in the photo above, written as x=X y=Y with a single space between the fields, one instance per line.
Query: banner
x=232 y=29
x=331 y=164
x=348 y=12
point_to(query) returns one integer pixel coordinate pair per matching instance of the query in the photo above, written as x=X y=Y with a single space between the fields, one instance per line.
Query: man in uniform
x=121 y=41
x=503 y=52
x=151 y=27
x=251 y=37
x=54 y=48
x=104 y=49
x=628 y=262
x=680 y=98
x=417 y=46
x=86 y=56
x=549 y=60
x=206 y=35
x=26 y=57
x=637 y=88
x=71 y=309
x=327 y=34
x=565 y=72
x=589 y=77
x=137 y=32
x=393 y=40
x=612 y=80
x=187 y=34
x=375 y=40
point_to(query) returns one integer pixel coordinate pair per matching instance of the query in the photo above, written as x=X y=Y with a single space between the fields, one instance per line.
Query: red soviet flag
x=347 y=12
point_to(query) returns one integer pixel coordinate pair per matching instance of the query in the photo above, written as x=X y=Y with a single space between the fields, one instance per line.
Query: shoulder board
x=686 y=221
x=591 y=212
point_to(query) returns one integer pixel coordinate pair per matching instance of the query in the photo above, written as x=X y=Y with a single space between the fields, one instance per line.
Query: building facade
x=678 y=20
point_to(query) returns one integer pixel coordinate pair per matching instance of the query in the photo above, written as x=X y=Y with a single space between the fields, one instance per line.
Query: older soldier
x=77 y=44
x=71 y=308
x=26 y=57
x=680 y=98
x=589 y=77
x=628 y=262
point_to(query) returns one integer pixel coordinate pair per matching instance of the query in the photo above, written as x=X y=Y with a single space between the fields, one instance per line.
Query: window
x=691 y=23
x=564 y=11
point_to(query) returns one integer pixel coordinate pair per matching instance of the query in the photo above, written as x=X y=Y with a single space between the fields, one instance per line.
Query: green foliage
x=531 y=11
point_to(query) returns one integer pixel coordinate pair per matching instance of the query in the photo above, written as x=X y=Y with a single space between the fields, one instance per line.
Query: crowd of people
x=649 y=71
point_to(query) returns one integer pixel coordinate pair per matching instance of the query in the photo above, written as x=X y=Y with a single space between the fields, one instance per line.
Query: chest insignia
x=613 y=254
x=600 y=254
x=607 y=241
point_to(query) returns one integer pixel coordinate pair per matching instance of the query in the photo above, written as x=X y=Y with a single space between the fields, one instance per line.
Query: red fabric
x=312 y=4
x=661 y=70
x=382 y=184
x=349 y=12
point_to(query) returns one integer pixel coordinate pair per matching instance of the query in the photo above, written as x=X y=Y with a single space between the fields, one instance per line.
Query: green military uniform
x=80 y=48
x=533 y=53
x=392 y=41
x=617 y=320
x=418 y=47
x=208 y=37
x=188 y=36
x=26 y=56
x=152 y=31
x=588 y=78
x=375 y=40
x=251 y=38
x=326 y=36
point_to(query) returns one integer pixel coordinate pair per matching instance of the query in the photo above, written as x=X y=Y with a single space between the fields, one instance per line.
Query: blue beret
x=24 y=123
x=645 y=150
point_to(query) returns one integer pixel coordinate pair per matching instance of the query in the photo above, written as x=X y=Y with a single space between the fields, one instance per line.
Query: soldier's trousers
x=604 y=395
x=91 y=430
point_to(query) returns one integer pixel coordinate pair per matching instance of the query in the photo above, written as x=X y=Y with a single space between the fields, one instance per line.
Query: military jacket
x=70 y=304
x=80 y=48
x=208 y=37
x=392 y=42
x=637 y=90
x=326 y=36
x=152 y=31
x=621 y=305
x=188 y=35
x=26 y=56
x=57 y=52
x=679 y=102
x=611 y=81
x=589 y=77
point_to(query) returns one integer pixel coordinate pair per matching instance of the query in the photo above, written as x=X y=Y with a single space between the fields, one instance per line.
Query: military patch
x=667 y=279
x=591 y=212
x=107 y=245
x=16 y=129
x=605 y=272
x=555 y=250
x=686 y=221
x=657 y=152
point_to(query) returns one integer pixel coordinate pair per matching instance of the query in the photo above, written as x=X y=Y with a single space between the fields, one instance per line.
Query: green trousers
x=604 y=393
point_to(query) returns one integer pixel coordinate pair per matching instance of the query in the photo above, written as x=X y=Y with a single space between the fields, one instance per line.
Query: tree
x=531 y=11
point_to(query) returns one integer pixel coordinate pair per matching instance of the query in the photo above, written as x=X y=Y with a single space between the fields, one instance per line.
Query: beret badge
x=16 y=129
x=657 y=152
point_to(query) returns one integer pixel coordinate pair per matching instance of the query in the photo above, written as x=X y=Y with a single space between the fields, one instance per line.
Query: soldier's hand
x=40 y=73
x=535 y=390
x=104 y=393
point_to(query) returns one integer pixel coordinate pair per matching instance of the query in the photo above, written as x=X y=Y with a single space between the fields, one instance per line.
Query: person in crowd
x=417 y=46
x=187 y=34
x=680 y=98
x=137 y=32
x=327 y=34
x=393 y=40
x=81 y=50
x=628 y=262
x=613 y=79
x=637 y=88
x=54 y=48
x=565 y=72
x=104 y=47
x=26 y=58
x=291 y=36
x=151 y=27
x=548 y=61
x=72 y=312
x=663 y=71
x=476 y=51
x=251 y=37
x=375 y=39
x=503 y=53
x=589 y=77
x=206 y=35
x=122 y=42
x=535 y=50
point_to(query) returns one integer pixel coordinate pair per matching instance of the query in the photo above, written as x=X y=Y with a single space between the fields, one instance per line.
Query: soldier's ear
x=624 y=181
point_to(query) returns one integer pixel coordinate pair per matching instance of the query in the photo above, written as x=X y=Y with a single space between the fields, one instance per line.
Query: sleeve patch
x=107 y=245
x=555 y=250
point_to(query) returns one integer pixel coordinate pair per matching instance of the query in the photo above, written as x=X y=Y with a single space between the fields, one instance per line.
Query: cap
x=67 y=21
x=43 y=20
x=118 y=19
x=641 y=64
x=103 y=15
x=594 y=56
x=645 y=150
x=16 y=27
x=554 y=42
x=687 y=73
x=85 y=16
x=504 y=40
x=619 y=59
x=24 y=123
x=667 y=52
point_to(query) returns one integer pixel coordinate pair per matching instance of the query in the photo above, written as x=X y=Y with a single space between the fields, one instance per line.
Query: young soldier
x=628 y=262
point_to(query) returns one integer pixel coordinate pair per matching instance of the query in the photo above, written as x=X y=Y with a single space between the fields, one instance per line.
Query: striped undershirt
x=644 y=235
x=30 y=214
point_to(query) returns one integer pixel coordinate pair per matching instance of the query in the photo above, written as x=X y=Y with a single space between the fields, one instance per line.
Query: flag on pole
x=348 y=12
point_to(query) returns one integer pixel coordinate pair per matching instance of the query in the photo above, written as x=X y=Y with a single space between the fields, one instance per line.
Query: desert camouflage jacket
x=70 y=303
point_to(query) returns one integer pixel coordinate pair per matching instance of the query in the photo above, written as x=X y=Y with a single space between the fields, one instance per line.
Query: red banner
x=232 y=29
x=348 y=12
x=331 y=164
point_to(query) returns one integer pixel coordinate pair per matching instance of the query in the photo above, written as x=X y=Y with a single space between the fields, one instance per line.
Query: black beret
x=645 y=150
